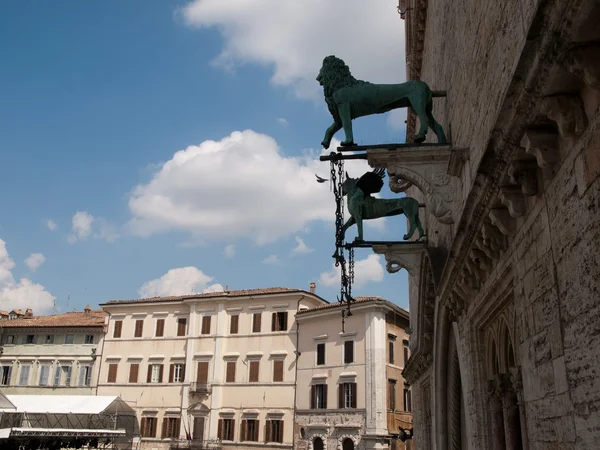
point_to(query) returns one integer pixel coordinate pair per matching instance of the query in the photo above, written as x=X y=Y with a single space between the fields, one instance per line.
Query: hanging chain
x=350 y=271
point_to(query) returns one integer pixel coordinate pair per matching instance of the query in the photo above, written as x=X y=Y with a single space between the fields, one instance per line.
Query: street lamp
x=405 y=435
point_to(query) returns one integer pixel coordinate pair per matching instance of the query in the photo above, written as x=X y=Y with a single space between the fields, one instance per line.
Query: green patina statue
x=363 y=206
x=348 y=98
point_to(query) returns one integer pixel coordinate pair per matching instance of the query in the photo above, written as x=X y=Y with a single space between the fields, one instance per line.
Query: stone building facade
x=504 y=295
x=350 y=393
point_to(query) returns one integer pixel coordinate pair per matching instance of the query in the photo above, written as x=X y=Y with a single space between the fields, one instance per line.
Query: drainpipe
x=297 y=353
x=102 y=353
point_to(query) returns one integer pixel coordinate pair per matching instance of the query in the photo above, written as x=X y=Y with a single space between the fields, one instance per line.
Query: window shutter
x=112 y=373
x=133 y=373
x=254 y=367
x=81 y=375
x=340 y=395
x=353 y=392
x=182 y=373
x=171 y=371
x=220 y=429
x=256 y=325
x=348 y=352
x=149 y=378
x=160 y=327
x=233 y=328
x=230 y=377
x=160 y=373
x=278 y=370
x=202 y=375
x=243 y=436
x=164 y=428
x=268 y=431
x=280 y=437
x=325 y=396
x=143 y=427
x=181 y=326
x=274 y=321
x=139 y=328
x=313 y=397
x=117 y=330
x=283 y=324
x=9 y=376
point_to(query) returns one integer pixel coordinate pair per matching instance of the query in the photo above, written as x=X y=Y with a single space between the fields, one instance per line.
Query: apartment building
x=350 y=393
x=207 y=366
x=55 y=354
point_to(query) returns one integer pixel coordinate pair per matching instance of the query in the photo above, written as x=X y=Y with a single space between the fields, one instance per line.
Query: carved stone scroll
x=567 y=112
x=404 y=255
x=542 y=144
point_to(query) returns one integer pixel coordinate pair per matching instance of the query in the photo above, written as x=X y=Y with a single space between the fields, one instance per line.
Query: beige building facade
x=208 y=366
x=57 y=354
x=350 y=393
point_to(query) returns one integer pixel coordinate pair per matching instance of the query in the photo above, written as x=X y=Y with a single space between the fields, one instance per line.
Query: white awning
x=62 y=432
x=68 y=404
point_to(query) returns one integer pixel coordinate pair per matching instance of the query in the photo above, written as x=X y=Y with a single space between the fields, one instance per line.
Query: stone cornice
x=417 y=365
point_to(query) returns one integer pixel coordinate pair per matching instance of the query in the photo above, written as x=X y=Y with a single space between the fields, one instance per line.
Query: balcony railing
x=200 y=388
x=195 y=444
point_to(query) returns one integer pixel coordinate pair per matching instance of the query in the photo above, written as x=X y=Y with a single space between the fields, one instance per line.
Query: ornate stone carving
x=456 y=307
x=426 y=168
x=584 y=63
x=543 y=144
x=567 y=112
x=402 y=256
x=501 y=219
x=524 y=173
x=416 y=366
x=513 y=199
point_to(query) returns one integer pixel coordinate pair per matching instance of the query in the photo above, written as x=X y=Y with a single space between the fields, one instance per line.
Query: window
x=49 y=339
x=391 y=351
x=112 y=373
x=347 y=395
x=225 y=429
x=348 y=352
x=256 y=319
x=254 y=368
x=62 y=374
x=274 y=431
x=134 y=371
x=5 y=375
x=44 y=375
x=405 y=346
x=24 y=375
x=155 y=373
x=278 y=370
x=88 y=339
x=139 y=330
x=69 y=339
x=230 y=375
x=205 y=325
x=249 y=431
x=318 y=397
x=233 y=324
x=202 y=374
x=279 y=321
x=85 y=375
x=177 y=373
x=160 y=327
x=9 y=339
x=392 y=395
x=148 y=427
x=170 y=428
x=321 y=354
x=181 y=326
x=318 y=444
x=118 y=328
x=407 y=399
x=30 y=339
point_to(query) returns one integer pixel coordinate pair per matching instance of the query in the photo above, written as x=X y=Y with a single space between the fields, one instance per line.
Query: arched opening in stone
x=347 y=444
x=318 y=444
x=455 y=404
x=511 y=409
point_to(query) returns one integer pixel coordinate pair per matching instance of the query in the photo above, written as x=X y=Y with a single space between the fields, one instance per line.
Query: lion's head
x=334 y=75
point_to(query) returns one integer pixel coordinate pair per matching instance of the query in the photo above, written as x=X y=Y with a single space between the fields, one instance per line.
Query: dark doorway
x=318 y=444
x=347 y=444
x=198 y=428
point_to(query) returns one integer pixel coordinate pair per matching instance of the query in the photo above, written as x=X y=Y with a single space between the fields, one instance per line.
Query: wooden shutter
x=133 y=373
x=182 y=373
x=278 y=370
x=220 y=429
x=233 y=326
x=230 y=376
x=171 y=372
x=320 y=354
x=202 y=375
x=283 y=321
x=139 y=328
x=348 y=352
x=160 y=327
x=353 y=393
x=205 y=325
x=256 y=322
x=163 y=434
x=280 y=435
x=391 y=351
x=181 y=326
x=149 y=378
x=118 y=327
x=198 y=432
x=268 y=431
x=160 y=373
x=143 y=426
x=256 y=425
x=243 y=436
x=325 y=396
x=254 y=367
x=274 y=321
x=112 y=373
x=313 y=397
x=341 y=395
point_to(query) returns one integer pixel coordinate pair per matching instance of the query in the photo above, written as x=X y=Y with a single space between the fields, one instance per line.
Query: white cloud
x=396 y=118
x=293 y=37
x=301 y=247
x=51 y=224
x=229 y=251
x=34 y=261
x=24 y=293
x=240 y=186
x=84 y=225
x=365 y=271
x=271 y=259
x=180 y=281
x=283 y=122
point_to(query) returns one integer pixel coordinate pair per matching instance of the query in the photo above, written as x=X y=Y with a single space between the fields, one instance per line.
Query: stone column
x=512 y=421
x=495 y=389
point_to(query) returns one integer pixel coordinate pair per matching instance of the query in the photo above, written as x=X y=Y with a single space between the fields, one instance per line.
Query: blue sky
x=105 y=113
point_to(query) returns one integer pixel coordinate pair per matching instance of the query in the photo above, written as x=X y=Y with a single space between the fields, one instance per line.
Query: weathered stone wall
x=331 y=428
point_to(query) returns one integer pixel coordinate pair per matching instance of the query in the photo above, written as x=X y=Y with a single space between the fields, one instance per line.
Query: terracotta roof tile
x=238 y=293
x=71 y=319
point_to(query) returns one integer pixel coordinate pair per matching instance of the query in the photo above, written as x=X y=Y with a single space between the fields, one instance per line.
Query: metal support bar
x=370 y=244
x=339 y=157
x=389 y=147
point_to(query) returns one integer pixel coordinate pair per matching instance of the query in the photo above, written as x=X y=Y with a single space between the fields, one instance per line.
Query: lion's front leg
x=334 y=128
x=346 y=119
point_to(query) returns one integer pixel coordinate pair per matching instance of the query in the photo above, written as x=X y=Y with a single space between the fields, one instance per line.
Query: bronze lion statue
x=348 y=98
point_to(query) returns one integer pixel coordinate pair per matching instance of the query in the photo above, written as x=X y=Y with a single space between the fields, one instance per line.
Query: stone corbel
x=489 y=252
x=584 y=63
x=524 y=173
x=428 y=168
x=512 y=197
x=543 y=144
x=501 y=219
x=404 y=255
x=567 y=112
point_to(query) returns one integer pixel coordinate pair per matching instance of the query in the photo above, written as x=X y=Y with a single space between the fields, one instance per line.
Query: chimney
x=87 y=309
x=313 y=287
x=28 y=313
